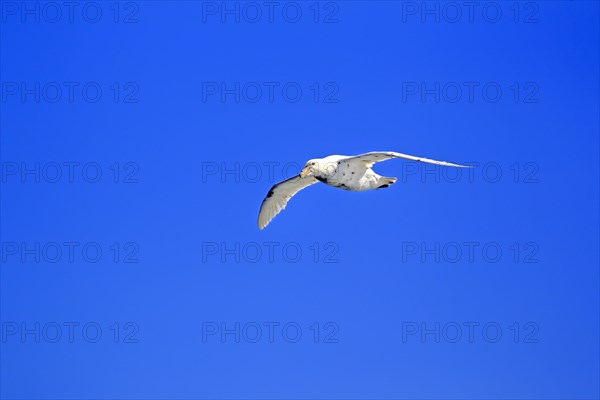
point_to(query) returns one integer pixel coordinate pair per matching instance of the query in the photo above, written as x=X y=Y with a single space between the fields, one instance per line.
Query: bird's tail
x=385 y=182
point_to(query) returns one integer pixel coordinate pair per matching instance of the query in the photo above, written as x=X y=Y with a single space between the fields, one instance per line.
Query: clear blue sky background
x=384 y=290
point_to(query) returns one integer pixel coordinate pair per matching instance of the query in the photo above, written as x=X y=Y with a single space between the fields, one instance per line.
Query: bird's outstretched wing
x=278 y=197
x=376 y=156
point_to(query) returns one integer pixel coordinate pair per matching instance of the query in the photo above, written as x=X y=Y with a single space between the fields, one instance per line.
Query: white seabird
x=352 y=173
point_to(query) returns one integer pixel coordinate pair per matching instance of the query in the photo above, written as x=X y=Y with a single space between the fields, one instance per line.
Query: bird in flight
x=352 y=173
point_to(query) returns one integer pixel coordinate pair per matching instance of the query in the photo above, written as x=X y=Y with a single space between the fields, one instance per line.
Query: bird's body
x=351 y=173
x=341 y=172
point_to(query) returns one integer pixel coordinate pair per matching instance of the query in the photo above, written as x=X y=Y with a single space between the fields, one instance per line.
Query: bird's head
x=311 y=168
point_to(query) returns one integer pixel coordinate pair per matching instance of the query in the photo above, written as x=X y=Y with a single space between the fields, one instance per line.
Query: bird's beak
x=305 y=172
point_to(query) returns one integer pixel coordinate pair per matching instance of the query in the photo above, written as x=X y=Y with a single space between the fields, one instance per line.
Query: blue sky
x=138 y=140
